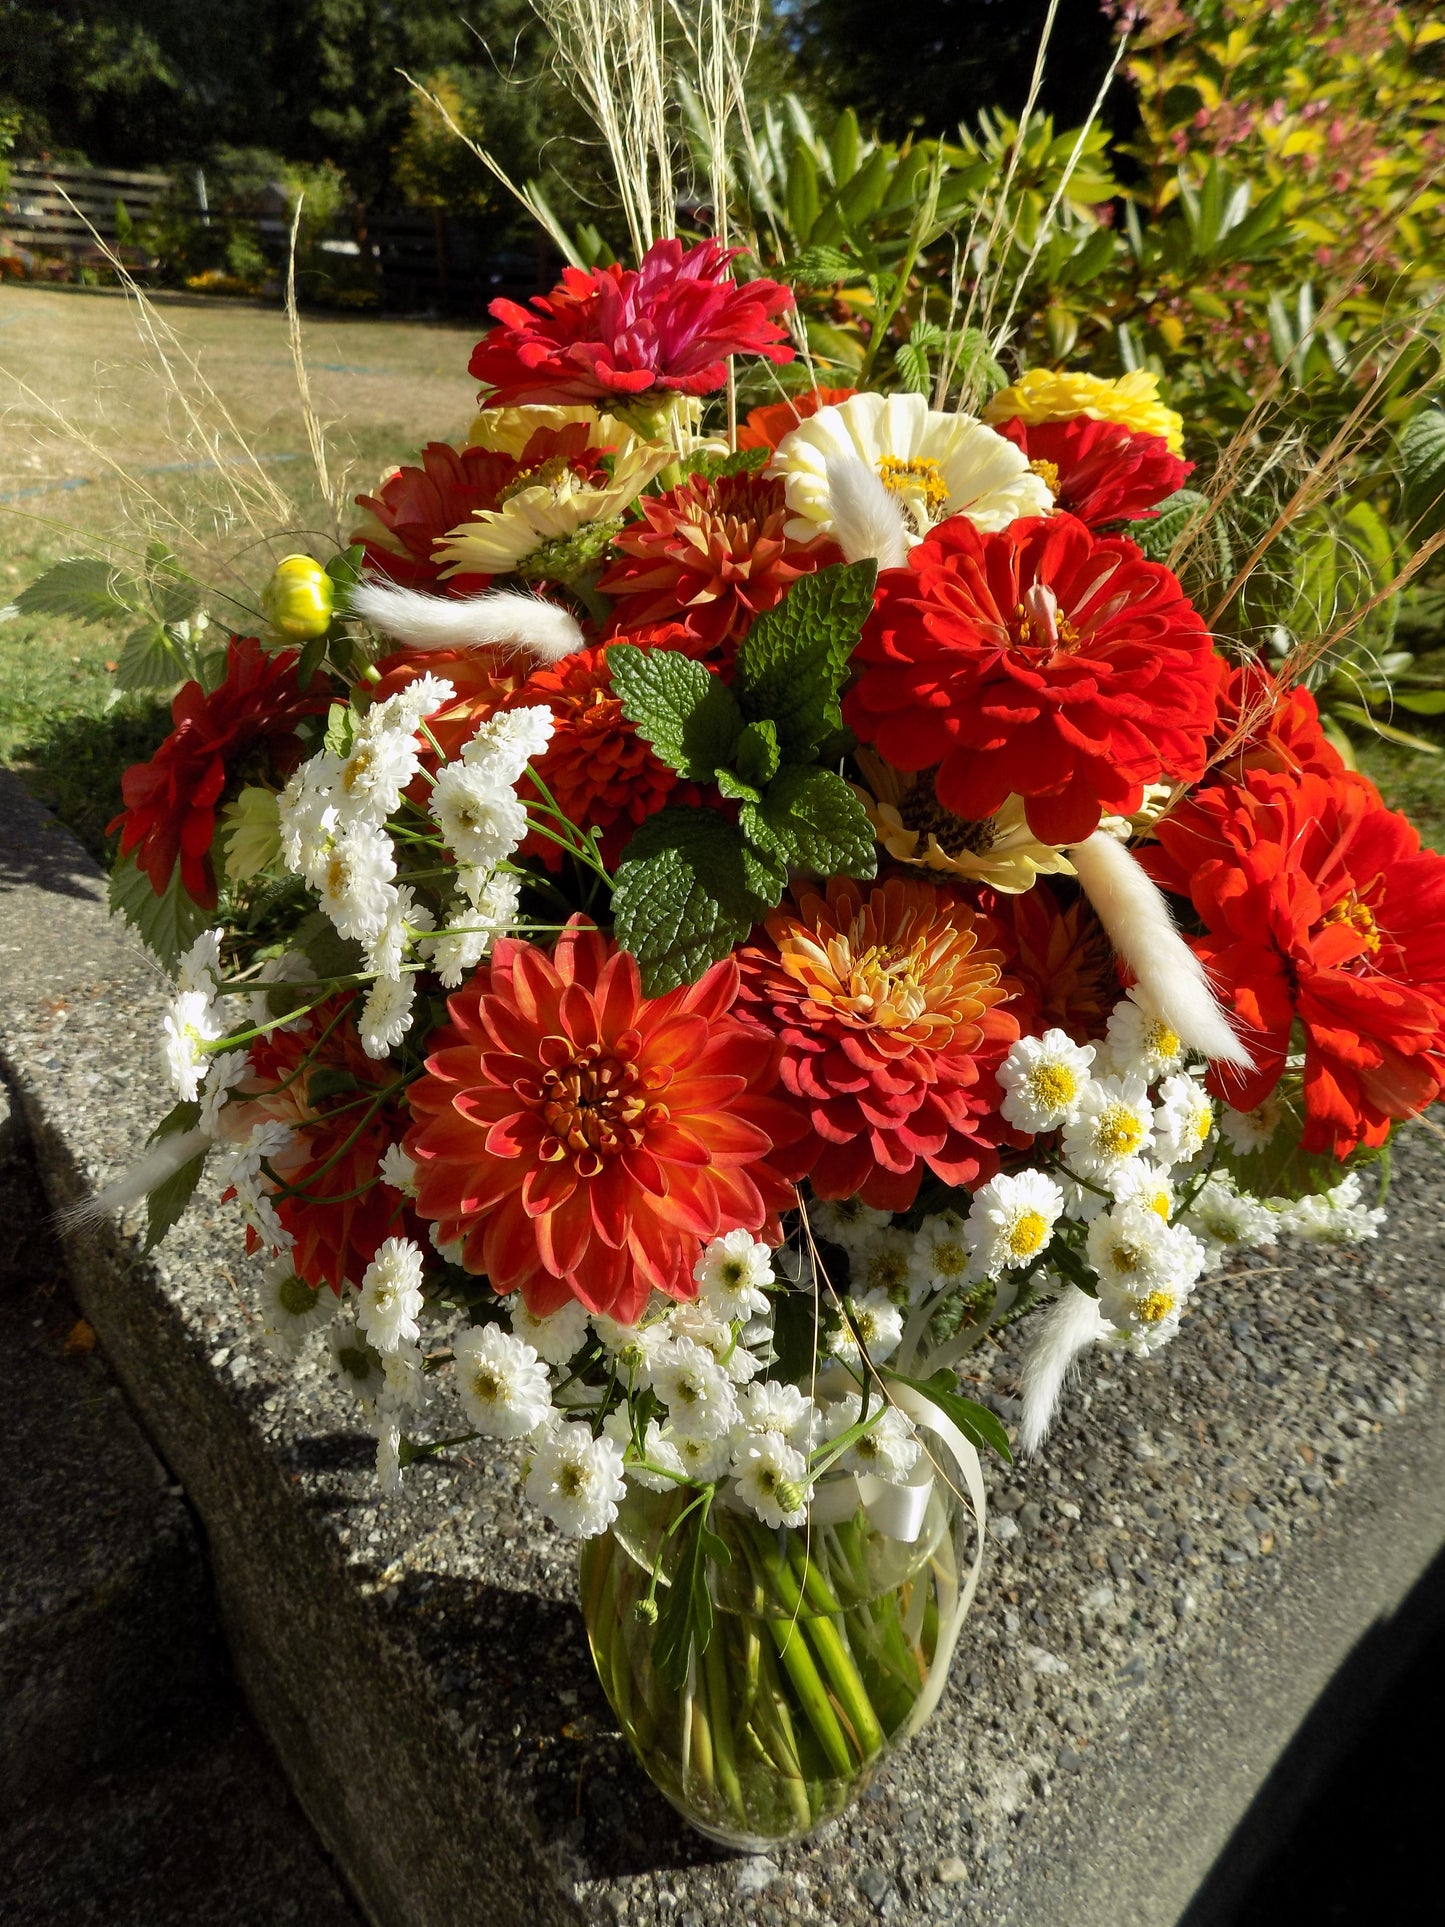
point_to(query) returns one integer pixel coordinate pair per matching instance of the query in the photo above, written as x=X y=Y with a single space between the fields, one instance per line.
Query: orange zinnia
x=887 y=1007
x=581 y=1140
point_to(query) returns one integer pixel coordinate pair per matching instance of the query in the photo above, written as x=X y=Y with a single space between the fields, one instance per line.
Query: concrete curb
x=1176 y=1579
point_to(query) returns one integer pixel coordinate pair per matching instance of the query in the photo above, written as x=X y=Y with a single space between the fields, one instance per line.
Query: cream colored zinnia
x=913 y=827
x=1050 y=395
x=934 y=465
x=554 y=503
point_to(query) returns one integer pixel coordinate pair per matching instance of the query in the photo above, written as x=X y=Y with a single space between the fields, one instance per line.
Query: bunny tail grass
x=505 y=620
x=1136 y=917
x=1062 y=1331
x=867 y=521
x=163 y=1161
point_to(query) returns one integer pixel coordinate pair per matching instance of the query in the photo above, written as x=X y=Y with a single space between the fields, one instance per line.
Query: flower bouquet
x=700 y=914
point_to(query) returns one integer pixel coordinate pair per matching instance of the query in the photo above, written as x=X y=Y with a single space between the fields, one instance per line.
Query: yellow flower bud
x=299 y=598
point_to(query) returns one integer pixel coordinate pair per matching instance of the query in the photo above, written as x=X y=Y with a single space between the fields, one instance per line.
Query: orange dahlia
x=765 y=427
x=482 y=678
x=316 y=1077
x=1062 y=962
x=712 y=555
x=887 y=1005
x=582 y=1141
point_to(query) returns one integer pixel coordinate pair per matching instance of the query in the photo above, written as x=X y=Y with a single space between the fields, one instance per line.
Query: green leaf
x=817 y=821
x=82 y=587
x=345 y=568
x=166 y=1203
x=177 y=1120
x=684 y=1619
x=1422 y=473
x=818 y=267
x=329 y=953
x=978 y=1425
x=1283 y=1170
x=735 y=790
x=170 y=923
x=340 y=729
x=688 y=891
x=1158 y=536
x=173 y=595
x=685 y=712
x=742 y=461
x=755 y=756
x=793 y=661
x=150 y=660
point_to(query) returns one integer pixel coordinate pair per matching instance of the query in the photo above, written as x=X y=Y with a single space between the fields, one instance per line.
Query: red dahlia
x=712 y=555
x=334 y=1204
x=606 y=334
x=1319 y=906
x=416 y=507
x=886 y=1005
x=765 y=427
x=581 y=1140
x=170 y=802
x=1061 y=960
x=1099 y=471
x=1043 y=661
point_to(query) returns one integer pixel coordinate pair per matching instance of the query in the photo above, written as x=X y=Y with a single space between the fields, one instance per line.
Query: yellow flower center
x=1163 y=1042
x=358 y=768
x=1159 y=1205
x=949 y=1260
x=486 y=1384
x=1126 y=1258
x=1048 y=473
x=1027 y=1233
x=921 y=476
x=544 y=475
x=1359 y=916
x=1154 y=1308
x=1052 y=1087
x=1118 y=1131
x=571 y=1481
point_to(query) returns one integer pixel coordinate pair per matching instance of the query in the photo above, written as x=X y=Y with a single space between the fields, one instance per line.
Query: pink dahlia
x=607 y=334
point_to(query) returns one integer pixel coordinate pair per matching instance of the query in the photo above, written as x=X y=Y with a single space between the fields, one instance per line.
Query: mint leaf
x=685 y=712
x=169 y=923
x=755 y=757
x=816 y=822
x=170 y=1198
x=340 y=730
x=744 y=461
x=794 y=658
x=735 y=790
x=977 y=1423
x=688 y=891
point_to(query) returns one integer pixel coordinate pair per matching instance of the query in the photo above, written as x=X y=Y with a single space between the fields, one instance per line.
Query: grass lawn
x=79 y=390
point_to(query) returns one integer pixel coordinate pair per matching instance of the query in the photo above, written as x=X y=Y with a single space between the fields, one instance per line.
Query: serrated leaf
x=328 y=952
x=1422 y=465
x=688 y=890
x=818 y=267
x=817 y=821
x=82 y=587
x=149 y=660
x=1283 y=1170
x=979 y=1426
x=169 y=923
x=735 y=790
x=1158 y=536
x=687 y=714
x=794 y=659
x=755 y=757
x=742 y=461
x=166 y=1203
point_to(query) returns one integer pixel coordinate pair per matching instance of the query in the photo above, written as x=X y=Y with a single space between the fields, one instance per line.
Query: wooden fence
x=53 y=208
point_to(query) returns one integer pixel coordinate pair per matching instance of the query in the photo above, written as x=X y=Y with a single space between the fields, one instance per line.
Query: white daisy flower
x=940 y=1256
x=503 y=1385
x=200 y=968
x=1044 y=1079
x=222 y=1076
x=1141 y=1181
x=889 y=1450
x=772 y=1480
x=192 y=1021
x=1335 y=1218
x=782 y=1411
x=704 y=1460
x=386 y=1016
x=576 y=1480
x=406 y=919
x=367 y=784
x=503 y=746
x=404 y=1385
x=291 y=1309
x=846 y=1221
x=1227 y=1221
x=883 y=1264
x=240 y=1171
x=291 y=967
x=1113 y=1122
x=398 y=1170
x=1183 y=1119
x=715 y=1335
x=354 y=1362
x=1011 y=1219
x=872 y=1323
x=695 y=1389
x=558 y=1337
x=354 y=882
x=481 y=822
x=423 y=697
x=733 y=1274
x=1248 y=1131
x=1140 y=1040
x=307 y=816
x=933 y=464
x=1130 y=1249
x=657 y=1450
x=391 y=1295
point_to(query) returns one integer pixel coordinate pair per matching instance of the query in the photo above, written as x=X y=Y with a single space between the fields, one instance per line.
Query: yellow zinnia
x=1050 y=395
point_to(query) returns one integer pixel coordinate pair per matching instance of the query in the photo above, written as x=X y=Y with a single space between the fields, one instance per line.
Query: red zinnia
x=1043 y=661
x=1319 y=906
x=1265 y=724
x=712 y=555
x=581 y=1140
x=416 y=507
x=886 y=1004
x=765 y=427
x=1099 y=471
x=170 y=802
x=340 y=1212
x=605 y=334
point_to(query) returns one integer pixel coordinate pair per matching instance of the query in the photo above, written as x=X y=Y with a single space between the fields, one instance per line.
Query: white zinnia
x=557 y=1337
x=1043 y=1080
x=733 y=1274
x=1139 y=1039
x=503 y=1385
x=772 y=1480
x=782 y=1411
x=933 y=464
x=391 y=1295
x=1011 y=1219
x=576 y=1480
x=872 y=1324
x=223 y=1075
x=480 y=820
x=398 y=1170
x=386 y=1016
x=1114 y=1121
x=354 y=881
x=200 y=967
x=695 y=1389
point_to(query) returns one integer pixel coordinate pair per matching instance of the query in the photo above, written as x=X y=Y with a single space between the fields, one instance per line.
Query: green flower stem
x=694 y=1707
x=792 y=1648
x=720 y=1696
x=830 y=1646
x=777 y=1726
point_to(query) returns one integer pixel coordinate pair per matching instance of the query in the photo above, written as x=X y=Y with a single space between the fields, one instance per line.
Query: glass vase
x=829 y=1647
